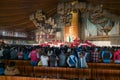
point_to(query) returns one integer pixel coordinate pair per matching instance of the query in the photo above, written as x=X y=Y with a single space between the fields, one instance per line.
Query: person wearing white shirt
x=44 y=60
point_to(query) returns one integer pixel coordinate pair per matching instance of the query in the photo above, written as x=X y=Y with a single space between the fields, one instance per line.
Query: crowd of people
x=64 y=56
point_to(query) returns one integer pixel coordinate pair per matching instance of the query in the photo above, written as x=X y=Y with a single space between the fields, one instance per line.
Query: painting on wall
x=97 y=30
x=100 y=22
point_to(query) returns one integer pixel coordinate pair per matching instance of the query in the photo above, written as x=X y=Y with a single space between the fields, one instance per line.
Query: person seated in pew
x=11 y=69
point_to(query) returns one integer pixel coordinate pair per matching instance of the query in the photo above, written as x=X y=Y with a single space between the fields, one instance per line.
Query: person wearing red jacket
x=117 y=56
x=34 y=56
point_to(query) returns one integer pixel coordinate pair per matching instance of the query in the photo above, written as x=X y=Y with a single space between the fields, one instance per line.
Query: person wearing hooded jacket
x=72 y=59
x=106 y=55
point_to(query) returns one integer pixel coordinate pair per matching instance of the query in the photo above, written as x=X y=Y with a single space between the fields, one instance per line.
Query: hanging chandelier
x=47 y=25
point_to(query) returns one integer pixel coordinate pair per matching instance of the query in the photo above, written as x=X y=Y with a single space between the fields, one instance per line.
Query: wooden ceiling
x=14 y=14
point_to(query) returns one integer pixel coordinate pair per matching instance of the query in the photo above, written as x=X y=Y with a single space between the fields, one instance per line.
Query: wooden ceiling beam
x=52 y=12
x=5 y=14
x=25 y=28
x=14 y=11
x=15 y=28
x=14 y=15
x=111 y=9
x=16 y=24
x=11 y=20
x=104 y=1
x=16 y=0
x=14 y=5
x=14 y=8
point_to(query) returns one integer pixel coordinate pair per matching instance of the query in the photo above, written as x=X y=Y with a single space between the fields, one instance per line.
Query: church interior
x=59 y=39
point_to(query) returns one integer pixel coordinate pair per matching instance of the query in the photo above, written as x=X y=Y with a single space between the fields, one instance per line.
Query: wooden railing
x=102 y=71
x=59 y=72
x=25 y=78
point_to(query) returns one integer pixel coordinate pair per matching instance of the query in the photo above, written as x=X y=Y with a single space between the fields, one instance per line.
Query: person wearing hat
x=11 y=69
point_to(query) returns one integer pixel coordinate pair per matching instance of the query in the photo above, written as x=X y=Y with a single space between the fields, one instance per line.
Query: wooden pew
x=2 y=78
x=53 y=71
x=25 y=78
x=5 y=62
x=106 y=74
x=21 y=69
x=28 y=71
x=39 y=71
x=72 y=73
x=19 y=78
x=87 y=73
x=96 y=70
x=45 y=72
x=104 y=65
x=66 y=73
x=27 y=63
x=21 y=62
x=61 y=72
x=17 y=62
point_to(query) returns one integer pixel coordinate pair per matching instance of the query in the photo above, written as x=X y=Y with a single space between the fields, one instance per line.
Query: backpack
x=39 y=63
x=72 y=61
x=106 y=55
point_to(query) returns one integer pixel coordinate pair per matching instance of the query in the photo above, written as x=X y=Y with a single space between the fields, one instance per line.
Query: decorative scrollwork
x=99 y=17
